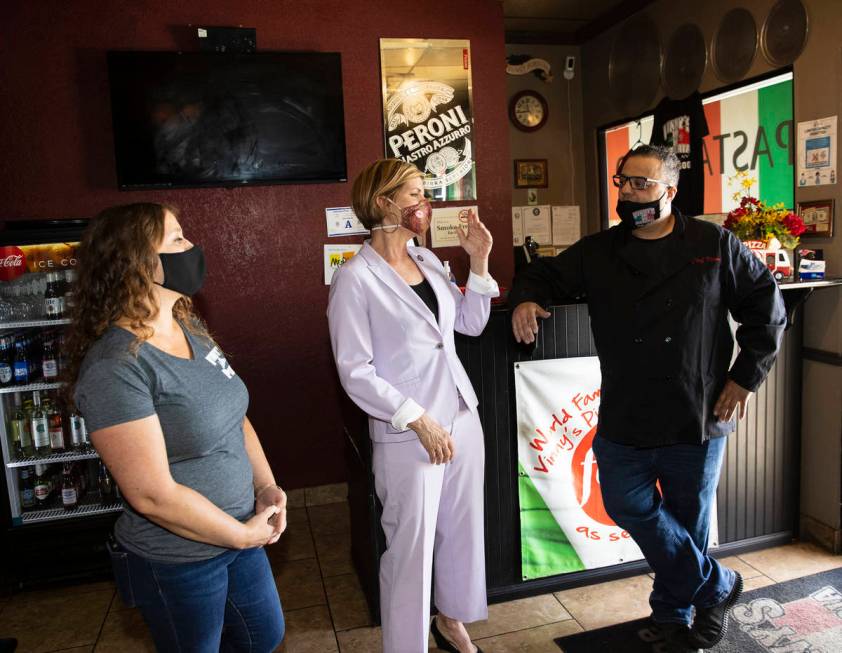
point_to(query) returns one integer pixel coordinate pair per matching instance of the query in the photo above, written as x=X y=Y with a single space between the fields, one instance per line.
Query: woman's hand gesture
x=477 y=241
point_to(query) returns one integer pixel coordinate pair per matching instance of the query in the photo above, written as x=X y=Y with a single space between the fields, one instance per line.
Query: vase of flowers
x=766 y=229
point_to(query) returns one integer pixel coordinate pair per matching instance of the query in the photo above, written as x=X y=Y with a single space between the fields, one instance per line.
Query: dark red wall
x=264 y=298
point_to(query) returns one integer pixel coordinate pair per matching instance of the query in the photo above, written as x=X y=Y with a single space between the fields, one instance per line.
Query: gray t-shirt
x=200 y=403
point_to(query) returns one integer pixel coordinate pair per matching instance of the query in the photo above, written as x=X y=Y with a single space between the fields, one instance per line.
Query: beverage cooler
x=59 y=501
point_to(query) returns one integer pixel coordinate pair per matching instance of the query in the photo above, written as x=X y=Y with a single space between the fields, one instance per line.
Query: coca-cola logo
x=12 y=263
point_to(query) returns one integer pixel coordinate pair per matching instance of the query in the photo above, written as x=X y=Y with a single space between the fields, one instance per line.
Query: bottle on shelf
x=62 y=360
x=20 y=364
x=49 y=361
x=55 y=427
x=90 y=468
x=78 y=433
x=69 y=489
x=42 y=485
x=40 y=427
x=80 y=477
x=26 y=485
x=106 y=484
x=19 y=428
x=53 y=298
x=69 y=290
x=7 y=374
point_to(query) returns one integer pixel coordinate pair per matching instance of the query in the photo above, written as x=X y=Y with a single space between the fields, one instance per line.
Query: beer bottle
x=106 y=484
x=62 y=361
x=42 y=485
x=20 y=365
x=6 y=361
x=69 y=290
x=27 y=488
x=40 y=428
x=49 y=362
x=53 y=299
x=78 y=436
x=55 y=427
x=19 y=428
x=69 y=491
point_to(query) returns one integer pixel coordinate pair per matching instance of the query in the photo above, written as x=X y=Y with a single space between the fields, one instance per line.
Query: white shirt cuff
x=482 y=285
x=408 y=412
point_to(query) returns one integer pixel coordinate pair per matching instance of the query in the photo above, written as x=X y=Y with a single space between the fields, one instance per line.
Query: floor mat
x=802 y=615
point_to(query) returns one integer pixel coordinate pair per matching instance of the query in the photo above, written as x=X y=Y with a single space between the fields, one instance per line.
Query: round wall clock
x=528 y=111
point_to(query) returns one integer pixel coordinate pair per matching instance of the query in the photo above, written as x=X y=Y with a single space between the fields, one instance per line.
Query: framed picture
x=530 y=173
x=818 y=218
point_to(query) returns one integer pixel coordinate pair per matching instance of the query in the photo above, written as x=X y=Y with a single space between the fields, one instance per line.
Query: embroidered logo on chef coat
x=216 y=358
x=701 y=260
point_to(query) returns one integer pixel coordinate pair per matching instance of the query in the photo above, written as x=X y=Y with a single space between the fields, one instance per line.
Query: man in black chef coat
x=659 y=288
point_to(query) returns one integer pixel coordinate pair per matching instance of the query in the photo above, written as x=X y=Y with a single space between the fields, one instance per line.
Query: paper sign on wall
x=566 y=225
x=446 y=221
x=537 y=223
x=817 y=152
x=335 y=257
x=342 y=221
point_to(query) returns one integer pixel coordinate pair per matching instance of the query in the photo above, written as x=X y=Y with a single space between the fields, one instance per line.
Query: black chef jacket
x=662 y=335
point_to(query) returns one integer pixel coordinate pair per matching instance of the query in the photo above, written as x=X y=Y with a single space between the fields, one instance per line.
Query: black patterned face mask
x=639 y=214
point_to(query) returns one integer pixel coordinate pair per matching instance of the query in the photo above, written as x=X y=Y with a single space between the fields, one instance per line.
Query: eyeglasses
x=637 y=183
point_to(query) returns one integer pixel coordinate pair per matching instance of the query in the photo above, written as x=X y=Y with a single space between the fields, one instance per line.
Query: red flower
x=794 y=224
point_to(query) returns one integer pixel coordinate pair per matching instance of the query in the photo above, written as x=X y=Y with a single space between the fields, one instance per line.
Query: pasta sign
x=564 y=525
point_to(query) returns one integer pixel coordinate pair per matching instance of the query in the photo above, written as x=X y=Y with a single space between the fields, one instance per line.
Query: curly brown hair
x=117 y=262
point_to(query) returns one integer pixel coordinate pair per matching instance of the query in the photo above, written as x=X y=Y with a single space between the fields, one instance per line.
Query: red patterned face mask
x=415 y=218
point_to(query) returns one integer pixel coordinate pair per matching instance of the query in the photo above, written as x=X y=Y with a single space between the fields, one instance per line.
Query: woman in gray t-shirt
x=167 y=413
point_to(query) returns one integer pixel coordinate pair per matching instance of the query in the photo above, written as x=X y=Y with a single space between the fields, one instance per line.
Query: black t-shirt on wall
x=681 y=125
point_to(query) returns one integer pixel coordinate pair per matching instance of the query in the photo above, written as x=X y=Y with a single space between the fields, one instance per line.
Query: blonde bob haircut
x=382 y=178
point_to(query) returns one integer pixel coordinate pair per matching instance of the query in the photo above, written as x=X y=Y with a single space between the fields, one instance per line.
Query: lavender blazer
x=393 y=359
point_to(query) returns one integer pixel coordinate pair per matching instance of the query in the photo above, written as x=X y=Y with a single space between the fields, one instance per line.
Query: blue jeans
x=227 y=603
x=671 y=531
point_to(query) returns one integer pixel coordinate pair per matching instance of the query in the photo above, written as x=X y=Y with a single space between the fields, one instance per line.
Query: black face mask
x=184 y=272
x=639 y=214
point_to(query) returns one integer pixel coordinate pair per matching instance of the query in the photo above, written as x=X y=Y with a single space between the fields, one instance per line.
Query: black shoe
x=442 y=642
x=711 y=624
x=676 y=638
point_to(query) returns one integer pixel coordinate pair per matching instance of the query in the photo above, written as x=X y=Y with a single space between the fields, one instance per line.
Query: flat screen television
x=209 y=119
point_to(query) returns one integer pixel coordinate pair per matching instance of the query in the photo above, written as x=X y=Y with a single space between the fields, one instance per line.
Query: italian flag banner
x=750 y=129
x=563 y=523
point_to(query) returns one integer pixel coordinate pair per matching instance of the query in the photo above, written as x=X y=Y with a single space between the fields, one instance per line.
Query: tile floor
x=325 y=608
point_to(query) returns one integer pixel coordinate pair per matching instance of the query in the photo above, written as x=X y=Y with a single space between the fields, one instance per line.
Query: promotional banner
x=563 y=523
x=18 y=260
x=428 y=112
x=564 y=526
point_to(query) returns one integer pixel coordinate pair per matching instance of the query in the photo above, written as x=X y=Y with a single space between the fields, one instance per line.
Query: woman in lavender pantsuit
x=393 y=311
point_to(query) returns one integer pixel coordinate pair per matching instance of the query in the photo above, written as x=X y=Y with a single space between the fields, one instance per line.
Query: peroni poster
x=428 y=113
